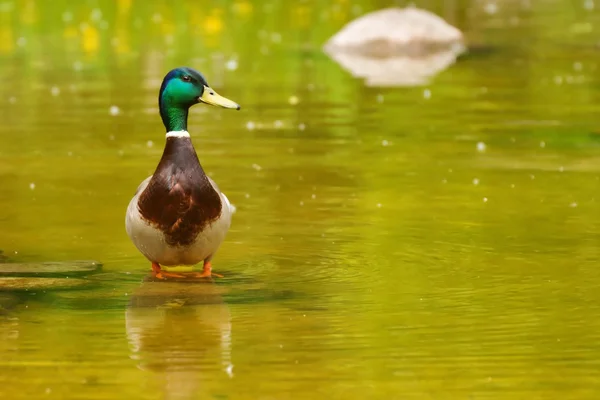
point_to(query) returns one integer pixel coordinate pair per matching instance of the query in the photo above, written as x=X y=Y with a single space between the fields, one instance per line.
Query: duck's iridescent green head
x=182 y=88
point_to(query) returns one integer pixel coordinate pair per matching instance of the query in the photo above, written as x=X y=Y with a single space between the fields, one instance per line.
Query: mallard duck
x=178 y=216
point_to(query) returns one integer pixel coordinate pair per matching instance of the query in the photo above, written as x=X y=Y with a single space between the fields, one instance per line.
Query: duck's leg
x=206 y=271
x=157 y=272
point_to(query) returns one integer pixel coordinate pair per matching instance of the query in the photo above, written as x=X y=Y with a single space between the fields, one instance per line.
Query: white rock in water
x=396 y=47
x=395 y=31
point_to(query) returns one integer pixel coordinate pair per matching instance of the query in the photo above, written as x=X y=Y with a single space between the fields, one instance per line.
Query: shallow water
x=437 y=242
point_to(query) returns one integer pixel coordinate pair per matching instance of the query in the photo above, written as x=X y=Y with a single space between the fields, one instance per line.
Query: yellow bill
x=213 y=98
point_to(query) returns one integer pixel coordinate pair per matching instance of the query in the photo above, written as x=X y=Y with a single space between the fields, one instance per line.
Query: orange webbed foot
x=158 y=273
x=206 y=272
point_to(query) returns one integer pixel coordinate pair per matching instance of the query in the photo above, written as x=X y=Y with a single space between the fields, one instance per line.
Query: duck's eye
x=186 y=78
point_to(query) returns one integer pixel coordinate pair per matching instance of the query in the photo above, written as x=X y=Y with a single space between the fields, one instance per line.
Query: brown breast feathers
x=179 y=199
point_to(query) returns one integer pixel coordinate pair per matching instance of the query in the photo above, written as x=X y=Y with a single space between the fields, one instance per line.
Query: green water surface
x=434 y=242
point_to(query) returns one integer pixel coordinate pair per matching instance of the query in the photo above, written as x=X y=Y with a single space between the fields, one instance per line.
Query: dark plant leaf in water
x=58 y=300
x=8 y=301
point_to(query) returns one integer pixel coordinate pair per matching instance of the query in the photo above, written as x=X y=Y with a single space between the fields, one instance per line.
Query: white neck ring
x=178 y=134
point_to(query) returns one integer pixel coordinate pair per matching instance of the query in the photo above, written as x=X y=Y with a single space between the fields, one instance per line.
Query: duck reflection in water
x=181 y=331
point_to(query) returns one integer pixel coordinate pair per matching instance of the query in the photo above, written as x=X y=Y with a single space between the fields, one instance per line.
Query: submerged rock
x=28 y=284
x=396 y=31
x=396 y=47
x=67 y=268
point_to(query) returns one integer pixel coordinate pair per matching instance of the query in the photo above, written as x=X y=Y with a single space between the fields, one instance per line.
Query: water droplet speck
x=96 y=14
x=491 y=8
x=67 y=16
x=231 y=65
x=275 y=37
x=114 y=110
